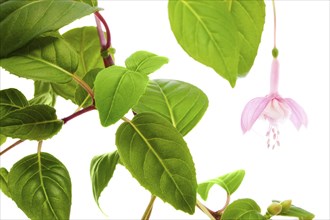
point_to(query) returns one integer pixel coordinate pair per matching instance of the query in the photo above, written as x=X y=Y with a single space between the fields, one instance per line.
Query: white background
x=297 y=170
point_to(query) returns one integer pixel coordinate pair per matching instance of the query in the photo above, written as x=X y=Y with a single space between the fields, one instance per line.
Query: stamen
x=273 y=136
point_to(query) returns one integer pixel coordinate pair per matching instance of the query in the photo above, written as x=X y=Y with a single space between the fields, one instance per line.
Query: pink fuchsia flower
x=274 y=109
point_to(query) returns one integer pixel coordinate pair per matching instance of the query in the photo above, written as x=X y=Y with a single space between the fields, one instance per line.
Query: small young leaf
x=229 y=182
x=298 y=212
x=41 y=186
x=43 y=94
x=157 y=156
x=37 y=122
x=10 y=100
x=86 y=43
x=2 y=139
x=116 y=91
x=101 y=171
x=242 y=209
x=21 y=21
x=46 y=58
x=145 y=62
x=82 y=98
x=4 y=181
x=181 y=103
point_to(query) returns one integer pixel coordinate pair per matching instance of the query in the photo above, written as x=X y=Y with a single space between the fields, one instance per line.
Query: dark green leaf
x=181 y=103
x=242 y=209
x=101 y=171
x=157 y=156
x=4 y=181
x=86 y=43
x=21 y=21
x=116 y=91
x=229 y=182
x=145 y=62
x=82 y=98
x=224 y=35
x=46 y=58
x=2 y=139
x=41 y=186
x=10 y=100
x=37 y=122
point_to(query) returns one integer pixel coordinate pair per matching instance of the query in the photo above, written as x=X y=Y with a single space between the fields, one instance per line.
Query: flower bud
x=275 y=208
x=286 y=205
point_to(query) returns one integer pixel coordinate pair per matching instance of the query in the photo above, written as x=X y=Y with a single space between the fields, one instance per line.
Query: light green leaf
x=37 y=122
x=224 y=35
x=86 y=43
x=229 y=182
x=157 y=156
x=21 y=21
x=46 y=58
x=43 y=94
x=116 y=91
x=242 y=209
x=101 y=171
x=41 y=186
x=3 y=139
x=145 y=62
x=298 y=212
x=10 y=100
x=82 y=98
x=90 y=2
x=181 y=103
x=4 y=181
x=249 y=18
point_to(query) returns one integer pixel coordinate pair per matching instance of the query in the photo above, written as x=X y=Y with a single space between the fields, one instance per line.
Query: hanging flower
x=274 y=109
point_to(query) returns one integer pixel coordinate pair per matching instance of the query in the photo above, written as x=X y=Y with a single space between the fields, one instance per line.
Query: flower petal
x=252 y=111
x=298 y=115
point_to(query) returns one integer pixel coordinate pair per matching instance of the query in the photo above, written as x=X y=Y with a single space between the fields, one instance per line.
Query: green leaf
x=229 y=182
x=3 y=139
x=4 y=181
x=295 y=211
x=90 y=2
x=101 y=171
x=86 y=43
x=10 y=100
x=181 y=103
x=242 y=209
x=223 y=35
x=116 y=91
x=21 y=21
x=41 y=186
x=145 y=62
x=37 y=122
x=43 y=94
x=157 y=156
x=47 y=58
x=82 y=98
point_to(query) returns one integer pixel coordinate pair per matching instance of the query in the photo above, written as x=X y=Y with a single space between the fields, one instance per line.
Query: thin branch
x=11 y=146
x=225 y=206
x=212 y=215
x=82 y=111
x=85 y=86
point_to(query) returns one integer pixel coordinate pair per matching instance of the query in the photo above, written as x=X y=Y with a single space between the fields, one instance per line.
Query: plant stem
x=105 y=44
x=225 y=206
x=39 y=146
x=274 y=12
x=82 y=111
x=148 y=210
x=208 y=212
x=11 y=146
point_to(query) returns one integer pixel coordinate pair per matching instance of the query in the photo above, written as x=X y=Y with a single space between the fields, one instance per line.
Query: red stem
x=82 y=111
x=11 y=146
